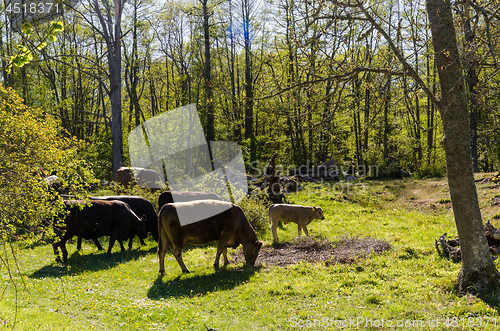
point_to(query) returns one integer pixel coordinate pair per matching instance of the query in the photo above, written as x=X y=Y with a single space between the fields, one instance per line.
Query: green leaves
x=41 y=46
x=31 y=148
x=25 y=55
x=26 y=29
x=56 y=27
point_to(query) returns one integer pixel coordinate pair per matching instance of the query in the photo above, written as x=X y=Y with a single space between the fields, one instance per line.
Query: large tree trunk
x=111 y=30
x=116 y=111
x=478 y=272
x=472 y=82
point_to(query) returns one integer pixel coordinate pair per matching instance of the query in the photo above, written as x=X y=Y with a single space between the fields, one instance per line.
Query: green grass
x=409 y=283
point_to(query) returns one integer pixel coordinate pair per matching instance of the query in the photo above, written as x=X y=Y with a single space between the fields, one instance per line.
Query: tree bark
x=246 y=7
x=430 y=105
x=210 y=131
x=478 y=272
x=472 y=82
x=111 y=30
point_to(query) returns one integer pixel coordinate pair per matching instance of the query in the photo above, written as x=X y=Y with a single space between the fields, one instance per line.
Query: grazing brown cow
x=302 y=215
x=185 y=196
x=229 y=228
x=96 y=218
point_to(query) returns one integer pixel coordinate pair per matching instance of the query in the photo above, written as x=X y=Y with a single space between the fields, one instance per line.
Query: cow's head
x=318 y=213
x=251 y=251
x=141 y=228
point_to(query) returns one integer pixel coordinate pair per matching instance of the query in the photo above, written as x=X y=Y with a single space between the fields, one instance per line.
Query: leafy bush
x=256 y=212
x=388 y=168
x=430 y=171
x=99 y=155
x=31 y=147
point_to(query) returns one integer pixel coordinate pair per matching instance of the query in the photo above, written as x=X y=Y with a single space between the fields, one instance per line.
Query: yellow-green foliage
x=30 y=141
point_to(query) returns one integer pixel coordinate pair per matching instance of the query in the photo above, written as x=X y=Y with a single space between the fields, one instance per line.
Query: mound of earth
x=307 y=249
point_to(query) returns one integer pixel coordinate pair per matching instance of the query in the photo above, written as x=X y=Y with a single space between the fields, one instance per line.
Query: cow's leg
x=274 y=228
x=299 y=229
x=224 y=252
x=112 y=239
x=304 y=227
x=62 y=244
x=121 y=245
x=98 y=244
x=79 y=244
x=220 y=250
x=162 y=251
x=55 y=246
x=132 y=239
x=178 y=256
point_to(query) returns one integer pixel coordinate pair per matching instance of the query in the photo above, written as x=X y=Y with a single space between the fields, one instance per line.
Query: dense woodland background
x=311 y=80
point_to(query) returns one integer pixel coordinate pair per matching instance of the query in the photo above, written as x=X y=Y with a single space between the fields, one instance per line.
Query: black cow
x=96 y=218
x=185 y=196
x=140 y=206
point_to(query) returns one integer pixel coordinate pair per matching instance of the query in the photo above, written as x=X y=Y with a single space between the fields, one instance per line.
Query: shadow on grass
x=492 y=299
x=78 y=263
x=490 y=296
x=189 y=285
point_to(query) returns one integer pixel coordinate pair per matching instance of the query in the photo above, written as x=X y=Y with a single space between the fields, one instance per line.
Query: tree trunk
x=430 y=107
x=472 y=82
x=367 y=114
x=116 y=110
x=478 y=272
x=132 y=78
x=111 y=29
x=249 y=90
x=210 y=132
x=387 y=102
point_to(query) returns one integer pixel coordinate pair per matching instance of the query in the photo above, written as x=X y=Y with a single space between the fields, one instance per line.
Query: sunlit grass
x=409 y=283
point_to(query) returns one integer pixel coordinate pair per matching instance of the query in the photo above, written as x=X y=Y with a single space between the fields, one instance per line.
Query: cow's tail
x=159 y=234
x=160 y=231
x=160 y=242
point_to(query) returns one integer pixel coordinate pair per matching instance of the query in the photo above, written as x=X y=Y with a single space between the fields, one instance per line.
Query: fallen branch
x=450 y=248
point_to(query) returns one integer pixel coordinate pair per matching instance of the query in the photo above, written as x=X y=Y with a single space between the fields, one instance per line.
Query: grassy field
x=408 y=287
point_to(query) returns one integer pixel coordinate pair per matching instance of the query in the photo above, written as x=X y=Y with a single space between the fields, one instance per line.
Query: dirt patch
x=424 y=203
x=430 y=204
x=313 y=250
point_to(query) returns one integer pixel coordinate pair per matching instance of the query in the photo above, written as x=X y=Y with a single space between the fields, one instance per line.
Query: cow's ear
x=314 y=208
x=258 y=244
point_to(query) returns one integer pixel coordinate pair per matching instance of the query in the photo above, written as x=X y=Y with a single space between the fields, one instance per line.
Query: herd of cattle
x=124 y=217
